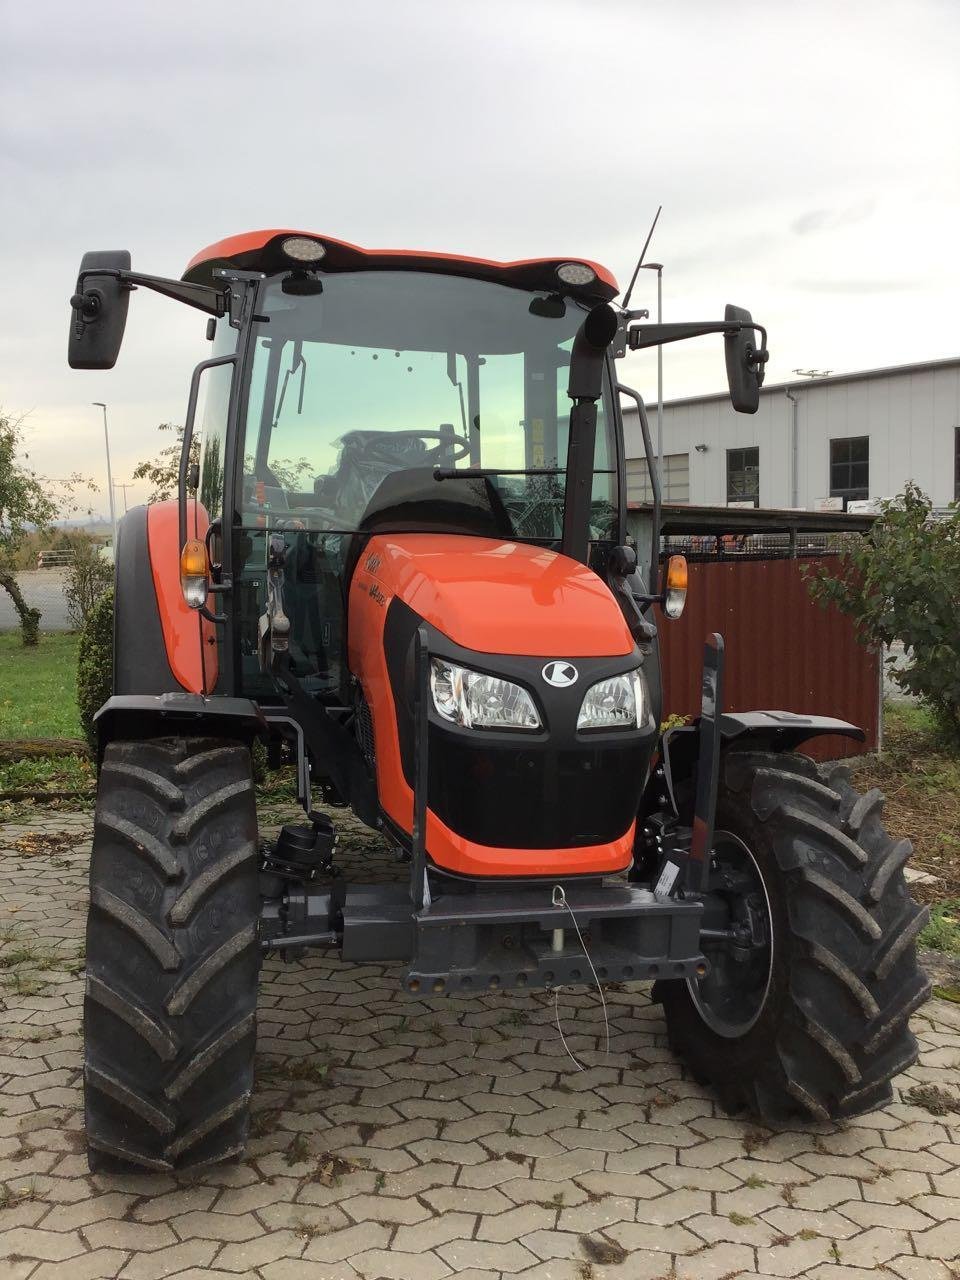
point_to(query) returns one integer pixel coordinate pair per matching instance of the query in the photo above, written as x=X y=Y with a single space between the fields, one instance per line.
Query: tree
x=24 y=503
x=163 y=471
x=28 y=503
x=902 y=582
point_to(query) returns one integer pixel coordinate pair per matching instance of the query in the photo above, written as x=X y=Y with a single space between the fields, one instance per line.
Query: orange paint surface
x=251 y=241
x=491 y=597
x=502 y=597
x=189 y=639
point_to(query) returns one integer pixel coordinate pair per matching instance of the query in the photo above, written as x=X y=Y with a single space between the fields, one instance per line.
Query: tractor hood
x=498 y=597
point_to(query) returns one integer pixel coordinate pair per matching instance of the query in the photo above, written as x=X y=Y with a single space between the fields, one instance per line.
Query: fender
x=765 y=730
x=137 y=715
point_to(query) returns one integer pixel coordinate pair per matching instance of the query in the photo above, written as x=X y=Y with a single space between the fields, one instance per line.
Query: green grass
x=38 y=697
x=943 y=931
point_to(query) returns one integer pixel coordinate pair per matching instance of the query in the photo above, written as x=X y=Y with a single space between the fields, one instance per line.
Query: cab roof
x=261 y=251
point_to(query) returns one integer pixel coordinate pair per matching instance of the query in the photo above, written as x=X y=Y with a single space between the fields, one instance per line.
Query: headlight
x=619 y=702
x=478 y=701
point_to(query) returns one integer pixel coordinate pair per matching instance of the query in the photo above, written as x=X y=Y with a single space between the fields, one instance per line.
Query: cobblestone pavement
x=397 y=1140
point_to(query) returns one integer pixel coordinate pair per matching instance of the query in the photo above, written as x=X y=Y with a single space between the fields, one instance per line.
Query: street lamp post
x=658 y=268
x=106 y=440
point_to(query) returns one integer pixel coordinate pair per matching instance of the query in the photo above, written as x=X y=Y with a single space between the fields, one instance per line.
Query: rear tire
x=829 y=1026
x=172 y=955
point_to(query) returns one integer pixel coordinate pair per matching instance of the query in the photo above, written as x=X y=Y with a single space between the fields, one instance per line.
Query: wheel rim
x=732 y=996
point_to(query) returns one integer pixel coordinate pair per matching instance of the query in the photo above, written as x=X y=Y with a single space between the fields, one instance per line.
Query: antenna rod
x=643 y=254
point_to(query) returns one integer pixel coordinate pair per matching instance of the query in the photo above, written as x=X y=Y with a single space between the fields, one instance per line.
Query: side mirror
x=99 y=310
x=745 y=361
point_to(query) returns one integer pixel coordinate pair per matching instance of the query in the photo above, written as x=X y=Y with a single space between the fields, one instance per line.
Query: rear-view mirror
x=99 y=310
x=745 y=361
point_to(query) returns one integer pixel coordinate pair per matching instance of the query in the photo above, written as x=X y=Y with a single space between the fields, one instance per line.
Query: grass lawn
x=38 y=694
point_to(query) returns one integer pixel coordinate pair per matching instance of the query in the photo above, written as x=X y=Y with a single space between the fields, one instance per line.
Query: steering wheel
x=450 y=448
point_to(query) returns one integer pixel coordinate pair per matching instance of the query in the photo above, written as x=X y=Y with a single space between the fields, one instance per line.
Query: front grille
x=509 y=797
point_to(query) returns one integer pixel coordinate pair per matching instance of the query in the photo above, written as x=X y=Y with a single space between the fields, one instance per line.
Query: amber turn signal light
x=194 y=569
x=675 y=593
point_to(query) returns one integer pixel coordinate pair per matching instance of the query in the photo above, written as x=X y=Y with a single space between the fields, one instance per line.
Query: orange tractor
x=401 y=562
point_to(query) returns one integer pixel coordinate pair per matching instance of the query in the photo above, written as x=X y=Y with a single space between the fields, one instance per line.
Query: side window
x=850 y=468
x=211 y=429
x=743 y=476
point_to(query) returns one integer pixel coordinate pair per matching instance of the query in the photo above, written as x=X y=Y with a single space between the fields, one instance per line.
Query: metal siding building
x=909 y=414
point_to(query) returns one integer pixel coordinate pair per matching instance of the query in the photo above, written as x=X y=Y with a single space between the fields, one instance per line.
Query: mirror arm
x=652 y=335
x=87 y=302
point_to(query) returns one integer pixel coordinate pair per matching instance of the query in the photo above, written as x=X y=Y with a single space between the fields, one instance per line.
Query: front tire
x=172 y=955
x=817 y=1022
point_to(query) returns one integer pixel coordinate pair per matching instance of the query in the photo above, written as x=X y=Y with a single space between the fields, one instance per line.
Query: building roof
x=681 y=517
x=861 y=375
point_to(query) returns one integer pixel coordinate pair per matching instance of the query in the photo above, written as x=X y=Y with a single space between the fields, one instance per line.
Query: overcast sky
x=805 y=155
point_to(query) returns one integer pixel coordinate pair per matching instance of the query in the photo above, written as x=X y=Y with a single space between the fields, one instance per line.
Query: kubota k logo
x=560 y=674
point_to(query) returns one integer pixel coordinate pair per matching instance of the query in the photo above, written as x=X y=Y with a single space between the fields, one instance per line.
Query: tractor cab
x=396 y=401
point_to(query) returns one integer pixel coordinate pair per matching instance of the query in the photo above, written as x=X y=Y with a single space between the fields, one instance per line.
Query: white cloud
x=805 y=157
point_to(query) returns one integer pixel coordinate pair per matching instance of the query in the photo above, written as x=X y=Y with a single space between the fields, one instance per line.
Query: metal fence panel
x=783 y=652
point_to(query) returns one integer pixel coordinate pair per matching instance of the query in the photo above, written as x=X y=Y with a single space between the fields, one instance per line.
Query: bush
x=95 y=664
x=88 y=576
x=902 y=582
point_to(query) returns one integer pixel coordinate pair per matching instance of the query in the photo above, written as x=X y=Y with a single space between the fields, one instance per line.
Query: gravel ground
x=405 y=1140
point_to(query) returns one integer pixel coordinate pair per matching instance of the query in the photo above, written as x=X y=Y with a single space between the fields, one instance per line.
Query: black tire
x=831 y=1025
x=173 y=956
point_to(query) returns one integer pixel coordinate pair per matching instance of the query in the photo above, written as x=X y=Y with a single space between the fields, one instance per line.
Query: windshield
x=389 y=372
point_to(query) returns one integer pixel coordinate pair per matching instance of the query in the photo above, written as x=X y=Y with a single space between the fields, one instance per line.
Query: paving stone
x=868 y=1213
x=167 y=1262
x=479 y=1151
x=795 y=1256
x=427 y=1235
x=48 y=1246
x=131 y=1235
x=265 y=1249
x=383 y=1208
x=460 y=1254
x=100 y=1264
x=825 y=1222
x=910 y=1267
x=644 y=1235
x=717 y=1262
x=516 y=1223
x=216 y=1226
x=347 y=1242
x=941 y=1241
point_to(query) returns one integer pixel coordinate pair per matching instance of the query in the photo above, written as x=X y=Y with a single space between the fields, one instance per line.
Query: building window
x=743 y=475
x=850 y=468
x=676 y=479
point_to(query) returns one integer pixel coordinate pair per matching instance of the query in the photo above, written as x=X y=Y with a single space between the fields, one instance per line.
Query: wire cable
x=560 y=900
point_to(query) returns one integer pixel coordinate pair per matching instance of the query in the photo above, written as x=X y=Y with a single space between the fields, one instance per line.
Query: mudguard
x=765 y=730
x=132 y=715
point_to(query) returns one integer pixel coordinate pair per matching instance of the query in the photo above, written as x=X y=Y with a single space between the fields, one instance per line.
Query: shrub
x=902 y=582
x=95 y=663
x=88 y=576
